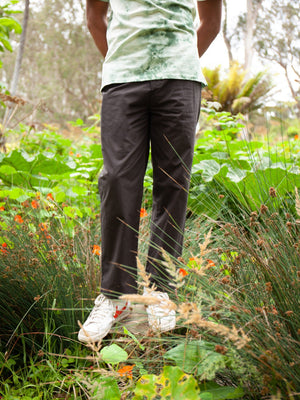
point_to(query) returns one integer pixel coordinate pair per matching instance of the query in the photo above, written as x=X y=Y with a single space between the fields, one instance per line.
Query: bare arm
x=210 y=13
x=96 y=12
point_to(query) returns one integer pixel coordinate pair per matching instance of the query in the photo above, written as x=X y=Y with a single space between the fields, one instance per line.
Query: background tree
x=242 y=32
x=61 y=65
x=277 y=39
x=7 y=25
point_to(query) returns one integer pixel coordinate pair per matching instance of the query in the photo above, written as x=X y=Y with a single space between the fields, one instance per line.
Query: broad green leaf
x=113 y=354
x=11 y=24
x=209 y=169
x=59 y=195
x=72 y=212
x=145 y=388
x=220 y=155
x=172 y=383
x=198 y=357
x=220 y=392
x=106 y=388
x=235 y=174
x=6 y=44
x=7 y=170
x=16 y=193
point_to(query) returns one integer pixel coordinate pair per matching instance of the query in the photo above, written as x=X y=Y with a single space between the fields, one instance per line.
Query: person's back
x=150 y=40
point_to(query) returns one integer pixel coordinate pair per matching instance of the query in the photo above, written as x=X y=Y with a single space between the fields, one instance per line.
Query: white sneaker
x=105 y=313
x=160 y=317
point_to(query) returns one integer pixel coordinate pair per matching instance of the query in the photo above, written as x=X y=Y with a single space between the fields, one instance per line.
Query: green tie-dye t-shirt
x=151 y=39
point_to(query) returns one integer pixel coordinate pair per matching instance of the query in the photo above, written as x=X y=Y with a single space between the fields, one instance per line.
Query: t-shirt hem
x=145 y=79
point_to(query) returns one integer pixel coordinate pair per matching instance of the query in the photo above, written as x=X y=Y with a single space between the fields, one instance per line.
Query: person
x=151 y=86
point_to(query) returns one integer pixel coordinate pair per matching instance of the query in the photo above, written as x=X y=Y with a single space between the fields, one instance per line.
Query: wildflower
x=296 y=137
x=19 y=219
x=97 y=250
x=3 y=249
x=25 y=204
x=71 y=153
x=2 y=208
x=50 y=196
x=43 y=226
x=183 y=272
x=210 y=263
x=34 y=204
x=78 y=155
x=38 y=195
x=143 y=213
x=126 y=371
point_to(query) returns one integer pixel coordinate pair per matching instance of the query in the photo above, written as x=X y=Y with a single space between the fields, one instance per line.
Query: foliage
x=277 y=40
x=53 y=166
x=7 y=24
x=64 y=62
x=238 y=324
x=240 y=175
x=172 y=383
x=237 y=93
x=198 y=357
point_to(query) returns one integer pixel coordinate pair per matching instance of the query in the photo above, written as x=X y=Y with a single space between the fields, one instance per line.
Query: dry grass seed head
x=192 y=315
x=146 y=283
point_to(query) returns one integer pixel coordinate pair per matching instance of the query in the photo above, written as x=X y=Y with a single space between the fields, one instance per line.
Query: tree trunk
x=253 y=8
x=249 y=35
x=225 y=33
x=18 y=63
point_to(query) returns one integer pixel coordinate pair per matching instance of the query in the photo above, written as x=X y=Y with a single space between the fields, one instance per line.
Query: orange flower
x=71 y=153
x=126 y=371
x=19 y=219
x=2 y=208
x=183 y=272
x=38 y=195
x=192 y=259
x=4 y=247
x=97 y=250
x=296 y=137
x=25 y=203
x=78 y=155
x=211 y=263
x=50 y=196
x=34 y=204
x=143 y=213
x=43 y=226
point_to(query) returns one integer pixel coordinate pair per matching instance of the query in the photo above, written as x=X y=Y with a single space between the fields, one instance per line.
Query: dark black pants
x=162 y=114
